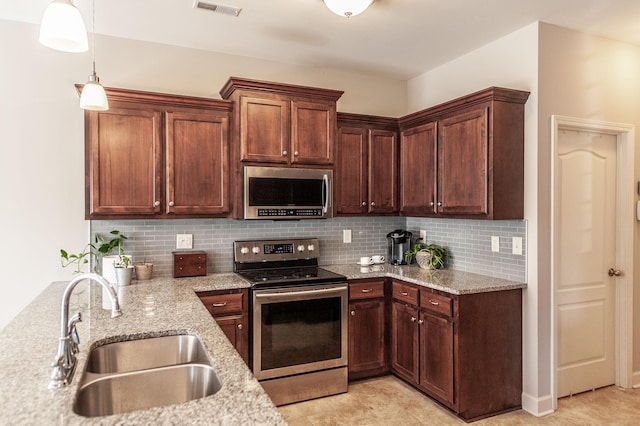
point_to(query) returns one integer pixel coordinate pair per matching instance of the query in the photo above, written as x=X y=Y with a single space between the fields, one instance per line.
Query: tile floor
x=388 y=400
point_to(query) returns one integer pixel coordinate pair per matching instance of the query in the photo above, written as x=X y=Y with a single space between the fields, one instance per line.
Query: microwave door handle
x=325 y=192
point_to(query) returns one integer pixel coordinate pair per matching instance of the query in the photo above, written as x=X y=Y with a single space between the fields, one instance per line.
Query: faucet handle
x=74 y=339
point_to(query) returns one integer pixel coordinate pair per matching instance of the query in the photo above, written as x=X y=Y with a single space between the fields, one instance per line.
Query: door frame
x=625 y=220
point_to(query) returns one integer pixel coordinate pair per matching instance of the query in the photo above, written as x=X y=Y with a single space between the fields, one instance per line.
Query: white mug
x=378 y=259
x=366 y=260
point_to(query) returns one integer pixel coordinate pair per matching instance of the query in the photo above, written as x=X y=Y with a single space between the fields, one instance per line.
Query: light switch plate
x=495 y=244
x=184 y=241
x=423 y=235
x=517 y=245
x=346 y=236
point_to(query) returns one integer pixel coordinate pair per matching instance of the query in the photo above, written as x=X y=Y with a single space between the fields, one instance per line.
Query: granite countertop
x=157 y=307
x=447 y=280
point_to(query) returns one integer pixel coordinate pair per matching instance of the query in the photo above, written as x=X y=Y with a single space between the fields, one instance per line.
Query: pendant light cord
x=93 y=35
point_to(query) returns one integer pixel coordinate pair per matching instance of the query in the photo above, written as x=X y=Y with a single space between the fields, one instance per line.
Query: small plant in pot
x=143 y=270
x=124 y=270
x=427 y=256
x=100 y=248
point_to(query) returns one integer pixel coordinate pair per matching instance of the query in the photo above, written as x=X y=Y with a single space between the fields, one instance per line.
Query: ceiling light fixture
x=62 y=27
x=348 y=8
x=93 y=96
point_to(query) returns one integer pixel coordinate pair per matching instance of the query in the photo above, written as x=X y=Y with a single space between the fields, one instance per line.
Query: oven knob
x=300 y=247
x=311 y=247
x=255 y=250
x=244 y=250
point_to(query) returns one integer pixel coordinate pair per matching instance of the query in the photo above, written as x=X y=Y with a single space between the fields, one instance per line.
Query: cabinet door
x=235 y=327
x=383 y=171
x=463 y=163
x=418 y=169
x=197 y=161
x=313 y=128
x=264 y=129
x=351 y=171
x=366 y=338
x=404 y=341
x=123 y=162
x=436 y=356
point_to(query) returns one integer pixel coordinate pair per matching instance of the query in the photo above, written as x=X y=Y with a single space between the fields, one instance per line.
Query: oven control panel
x=275 y=250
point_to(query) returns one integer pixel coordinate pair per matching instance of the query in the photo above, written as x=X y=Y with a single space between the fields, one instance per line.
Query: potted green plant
x=97 y=250
x=123 y=270
x=410 y=254
x=432 y=256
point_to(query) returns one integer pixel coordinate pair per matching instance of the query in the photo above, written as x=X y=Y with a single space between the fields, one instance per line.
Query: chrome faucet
x=64 y=364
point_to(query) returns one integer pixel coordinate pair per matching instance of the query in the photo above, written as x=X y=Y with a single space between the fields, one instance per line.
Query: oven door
x=299 y=329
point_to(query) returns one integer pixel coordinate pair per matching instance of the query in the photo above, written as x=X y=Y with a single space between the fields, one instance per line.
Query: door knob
x=614 y=272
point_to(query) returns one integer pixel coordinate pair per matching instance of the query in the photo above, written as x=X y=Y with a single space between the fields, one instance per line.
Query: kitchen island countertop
x=157 y=307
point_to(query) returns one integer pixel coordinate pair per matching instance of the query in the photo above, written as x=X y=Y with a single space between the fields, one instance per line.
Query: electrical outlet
x=516 y=245
x=346 y=236
x=495 y=244
x=423 y=235
x=184 y=241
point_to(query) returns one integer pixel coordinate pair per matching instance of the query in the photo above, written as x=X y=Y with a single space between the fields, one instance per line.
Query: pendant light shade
x=93 y=96
x=62 y=28
x=348 y=8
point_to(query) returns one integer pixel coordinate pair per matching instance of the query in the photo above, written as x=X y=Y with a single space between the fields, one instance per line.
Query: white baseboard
x=538 y=406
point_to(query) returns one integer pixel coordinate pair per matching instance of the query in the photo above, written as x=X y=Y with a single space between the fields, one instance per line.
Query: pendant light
x=62 y=27
x=93 y=96
x=348 y=8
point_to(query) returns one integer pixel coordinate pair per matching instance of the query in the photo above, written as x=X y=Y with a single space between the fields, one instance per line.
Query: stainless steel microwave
x=287 y=193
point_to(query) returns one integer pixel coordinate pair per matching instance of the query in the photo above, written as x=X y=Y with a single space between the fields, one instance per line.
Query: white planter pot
x=108 y=270
x=124 y=275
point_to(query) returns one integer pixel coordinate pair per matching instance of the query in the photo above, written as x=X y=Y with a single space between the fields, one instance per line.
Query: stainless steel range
x=299 y=337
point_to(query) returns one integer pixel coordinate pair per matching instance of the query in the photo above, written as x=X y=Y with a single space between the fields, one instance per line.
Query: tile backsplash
x=469 y=241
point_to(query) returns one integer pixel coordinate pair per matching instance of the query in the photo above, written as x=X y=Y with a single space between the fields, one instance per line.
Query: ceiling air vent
x=218 y=8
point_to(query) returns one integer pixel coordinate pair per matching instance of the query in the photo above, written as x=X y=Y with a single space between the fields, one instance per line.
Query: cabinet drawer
x=223 y=304
x=436 y=303
x=405 y=293
x=366 y=290
x=189 y=264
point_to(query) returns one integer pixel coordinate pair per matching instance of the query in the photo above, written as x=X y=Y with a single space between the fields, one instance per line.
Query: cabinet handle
x=296 y=153
x=413 y=319
x=219 y=305
x=353 y=313
x=240 y=326
x=432 y=204
x=156 y=203
x=404 y=293
x=284 y=153
x=364 y=203
x=420 y=322
x=439 y=203
x=434 y=303
x=366 y=290
x=373 y=204
x=171 y=204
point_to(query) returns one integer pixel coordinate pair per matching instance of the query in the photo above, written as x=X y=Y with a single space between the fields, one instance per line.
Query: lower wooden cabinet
x=231 y=312
x=463 y=350
x=367 y=330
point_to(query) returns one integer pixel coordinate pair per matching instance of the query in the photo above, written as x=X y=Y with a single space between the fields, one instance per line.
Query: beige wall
x=42 y=151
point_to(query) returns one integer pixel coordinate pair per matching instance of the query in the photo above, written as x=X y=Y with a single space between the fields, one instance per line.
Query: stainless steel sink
x=139 y=374
x=133 y=355
x=138 y=390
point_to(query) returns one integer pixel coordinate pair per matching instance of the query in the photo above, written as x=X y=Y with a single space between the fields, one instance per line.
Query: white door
x=585 y=242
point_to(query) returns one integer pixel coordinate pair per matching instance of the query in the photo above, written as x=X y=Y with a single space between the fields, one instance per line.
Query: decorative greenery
x=99 y=248
x=438 y=254
x=122 y=262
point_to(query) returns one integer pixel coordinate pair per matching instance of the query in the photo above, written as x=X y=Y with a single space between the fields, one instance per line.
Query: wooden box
x=189 y=263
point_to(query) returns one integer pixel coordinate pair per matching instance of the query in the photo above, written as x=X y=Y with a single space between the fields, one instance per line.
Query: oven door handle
x=280 y=295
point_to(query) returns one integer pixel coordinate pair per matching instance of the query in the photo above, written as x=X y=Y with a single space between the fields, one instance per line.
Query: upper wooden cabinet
x=154 y=155
x=465 y=158
x=283 y=124
x=366 y=178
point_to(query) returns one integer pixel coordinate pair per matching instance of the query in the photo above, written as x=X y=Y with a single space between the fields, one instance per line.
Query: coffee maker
x=399 y=241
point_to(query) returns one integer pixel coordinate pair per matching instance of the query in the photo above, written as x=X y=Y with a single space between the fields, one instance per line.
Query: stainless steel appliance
x=299 y=319
x=399 y=241
x=287 y=193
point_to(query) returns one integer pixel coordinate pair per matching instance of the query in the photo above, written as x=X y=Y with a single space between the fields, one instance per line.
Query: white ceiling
x=396 y=38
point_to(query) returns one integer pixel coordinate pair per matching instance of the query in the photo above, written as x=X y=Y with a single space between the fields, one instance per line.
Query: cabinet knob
x=171 y=204
x=353 y=313
x=240 y=326
x=284 y=153
x=373 y=204
x=413 y=319
x=439 y=203
x=364 y=204
x=420 y=322
x=156 y=203
x=432 y=204
x=296 y=153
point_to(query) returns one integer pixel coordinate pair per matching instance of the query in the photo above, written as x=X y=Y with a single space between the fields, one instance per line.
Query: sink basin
x=138 y=390
x=141 y=354
x=144 y=373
